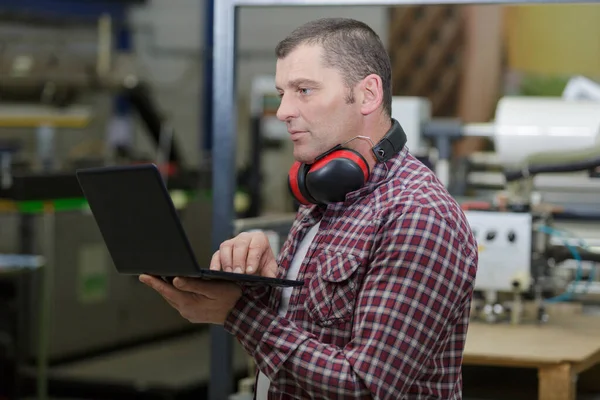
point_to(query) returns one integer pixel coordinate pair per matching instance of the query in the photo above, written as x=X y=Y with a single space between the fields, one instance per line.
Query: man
x=388 y=271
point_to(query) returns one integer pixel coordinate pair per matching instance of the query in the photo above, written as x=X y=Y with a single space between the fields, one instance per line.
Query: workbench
x=561 y=349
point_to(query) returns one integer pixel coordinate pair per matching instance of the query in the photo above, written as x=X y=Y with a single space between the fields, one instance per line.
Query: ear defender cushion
x=297 y=183
x=331 y=178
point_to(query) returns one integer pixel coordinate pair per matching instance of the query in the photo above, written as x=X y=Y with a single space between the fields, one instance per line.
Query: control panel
x=504 y=243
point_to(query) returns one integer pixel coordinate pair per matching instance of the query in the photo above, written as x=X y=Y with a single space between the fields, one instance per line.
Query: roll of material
x=529 y=125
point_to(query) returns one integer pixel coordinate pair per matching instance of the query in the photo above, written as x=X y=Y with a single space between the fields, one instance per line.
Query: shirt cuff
x=267 y=337
x=242 y=321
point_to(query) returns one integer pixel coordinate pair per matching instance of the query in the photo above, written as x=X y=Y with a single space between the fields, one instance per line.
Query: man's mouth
x=295 y=134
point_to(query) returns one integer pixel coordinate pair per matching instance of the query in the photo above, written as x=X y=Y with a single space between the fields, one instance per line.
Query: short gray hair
x=350 y=46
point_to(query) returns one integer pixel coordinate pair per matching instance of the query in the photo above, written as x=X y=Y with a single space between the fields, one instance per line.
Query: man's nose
x=287 y=109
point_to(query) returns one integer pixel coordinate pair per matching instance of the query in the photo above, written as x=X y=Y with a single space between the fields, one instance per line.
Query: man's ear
x=372 y=93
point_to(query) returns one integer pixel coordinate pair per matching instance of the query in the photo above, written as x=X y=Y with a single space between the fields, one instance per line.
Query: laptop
x=142 y=231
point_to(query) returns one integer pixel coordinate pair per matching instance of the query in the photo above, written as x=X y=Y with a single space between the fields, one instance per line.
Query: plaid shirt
x=385 y=307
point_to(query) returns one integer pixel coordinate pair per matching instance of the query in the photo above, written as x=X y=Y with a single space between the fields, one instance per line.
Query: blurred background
x=502 y=102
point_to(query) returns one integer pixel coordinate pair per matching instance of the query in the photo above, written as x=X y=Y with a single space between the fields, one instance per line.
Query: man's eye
x=304 y=90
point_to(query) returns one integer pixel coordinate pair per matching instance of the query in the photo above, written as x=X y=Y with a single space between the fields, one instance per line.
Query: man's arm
x=413 y=288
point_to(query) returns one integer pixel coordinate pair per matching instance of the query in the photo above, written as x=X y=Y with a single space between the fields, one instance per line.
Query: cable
x=140 y=97
x=585 y=255
x=576 y=255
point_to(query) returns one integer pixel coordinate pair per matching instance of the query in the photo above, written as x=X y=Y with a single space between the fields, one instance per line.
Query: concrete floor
x=179 y=361
x=489 y=383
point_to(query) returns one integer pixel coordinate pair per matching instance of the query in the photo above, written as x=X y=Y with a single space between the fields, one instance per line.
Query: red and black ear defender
x=340 y=170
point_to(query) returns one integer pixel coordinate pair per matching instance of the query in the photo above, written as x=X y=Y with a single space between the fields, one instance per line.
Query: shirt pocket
x=332 y=290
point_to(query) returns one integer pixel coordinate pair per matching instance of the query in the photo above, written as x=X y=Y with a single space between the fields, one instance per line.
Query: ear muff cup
x=330 y=178
x=340 y=170
x=297 y=183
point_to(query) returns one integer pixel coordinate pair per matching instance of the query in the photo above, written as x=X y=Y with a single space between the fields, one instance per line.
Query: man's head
x=334 y=78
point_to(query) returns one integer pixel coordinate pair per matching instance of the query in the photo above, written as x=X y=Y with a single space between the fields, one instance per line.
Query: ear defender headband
x=340 y=170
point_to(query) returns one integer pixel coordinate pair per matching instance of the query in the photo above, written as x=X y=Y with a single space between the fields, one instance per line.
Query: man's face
x=314 y=103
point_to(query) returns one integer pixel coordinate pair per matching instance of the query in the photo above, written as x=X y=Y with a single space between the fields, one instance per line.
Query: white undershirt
x=263 y=382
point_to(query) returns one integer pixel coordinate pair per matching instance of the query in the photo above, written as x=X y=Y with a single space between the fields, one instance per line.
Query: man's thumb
x=270 y=269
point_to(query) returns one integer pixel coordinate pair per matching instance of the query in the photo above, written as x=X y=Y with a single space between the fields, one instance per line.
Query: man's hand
x=247 y=253
x=201 y=301
x=196 y=300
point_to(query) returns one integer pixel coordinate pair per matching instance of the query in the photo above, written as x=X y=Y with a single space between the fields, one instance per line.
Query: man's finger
x=210 y=289
x=215 y=262
x=240 y=254
x=172 y=295
x=256 y=251
x=175 y=306
x=226 y=256
x=270 y=268
x=268 y=265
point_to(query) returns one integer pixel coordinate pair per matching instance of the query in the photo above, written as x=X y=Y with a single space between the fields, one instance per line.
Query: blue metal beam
x=207 y=85
x=68 y=9
x=224 y=176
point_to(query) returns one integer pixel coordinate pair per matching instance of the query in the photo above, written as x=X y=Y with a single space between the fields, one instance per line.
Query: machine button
x=490 y=235
x=512 y=236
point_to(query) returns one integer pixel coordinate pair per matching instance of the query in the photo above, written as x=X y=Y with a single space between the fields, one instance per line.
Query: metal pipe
x=479 y=130
x=224 y=177
x=104 y=45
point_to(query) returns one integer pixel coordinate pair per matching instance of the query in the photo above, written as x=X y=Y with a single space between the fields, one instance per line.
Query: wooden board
x=21 y=116
x=574 y=339
x=425 y=43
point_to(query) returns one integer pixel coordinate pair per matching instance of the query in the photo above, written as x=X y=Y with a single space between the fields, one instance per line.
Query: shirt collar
x=381 y=173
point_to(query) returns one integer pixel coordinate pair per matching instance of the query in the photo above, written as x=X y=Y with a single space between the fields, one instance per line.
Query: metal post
x=45 y=304
x=223 y=170
x=121 y=129
x=46 y=135
x=207 y=84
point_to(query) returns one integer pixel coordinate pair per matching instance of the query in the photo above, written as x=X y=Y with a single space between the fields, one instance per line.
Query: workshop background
x=108 y=82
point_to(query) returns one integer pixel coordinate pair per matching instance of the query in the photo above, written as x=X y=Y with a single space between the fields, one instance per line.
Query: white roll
x=528 y=125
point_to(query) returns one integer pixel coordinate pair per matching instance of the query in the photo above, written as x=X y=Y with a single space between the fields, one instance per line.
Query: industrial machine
x=38 y=68
x=67 y=78
x=532 y=202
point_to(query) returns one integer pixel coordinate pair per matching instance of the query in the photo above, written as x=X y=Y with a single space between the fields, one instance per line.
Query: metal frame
x=65 y=9
x=224 y=117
